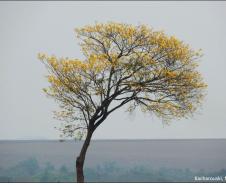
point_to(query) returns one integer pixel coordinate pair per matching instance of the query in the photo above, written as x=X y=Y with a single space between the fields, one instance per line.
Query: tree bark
x=81 y=158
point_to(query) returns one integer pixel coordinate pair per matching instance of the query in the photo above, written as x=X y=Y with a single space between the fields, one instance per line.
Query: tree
x=123 y=65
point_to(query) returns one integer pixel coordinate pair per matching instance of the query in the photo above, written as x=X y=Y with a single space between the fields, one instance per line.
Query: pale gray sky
x=27 y=28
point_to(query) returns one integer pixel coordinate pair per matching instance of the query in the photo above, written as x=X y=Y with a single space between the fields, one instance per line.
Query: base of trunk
x=79 y=170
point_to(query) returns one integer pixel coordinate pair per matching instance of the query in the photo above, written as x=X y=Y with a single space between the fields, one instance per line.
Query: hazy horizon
x=196 y=154
x=106 y=139
x=133 y=161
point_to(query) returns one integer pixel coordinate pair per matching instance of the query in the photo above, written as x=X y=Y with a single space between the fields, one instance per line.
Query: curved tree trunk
x=81 y=158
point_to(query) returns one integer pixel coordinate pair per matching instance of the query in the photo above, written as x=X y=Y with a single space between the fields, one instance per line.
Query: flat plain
x=195 y=154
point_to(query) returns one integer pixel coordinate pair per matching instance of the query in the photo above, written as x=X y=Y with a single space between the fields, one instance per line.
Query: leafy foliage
x=124 y=64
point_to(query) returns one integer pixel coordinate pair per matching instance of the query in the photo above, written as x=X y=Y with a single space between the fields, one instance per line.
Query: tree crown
x=124 y=64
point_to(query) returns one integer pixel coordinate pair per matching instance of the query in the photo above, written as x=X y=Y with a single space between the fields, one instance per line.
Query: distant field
x=193 y=154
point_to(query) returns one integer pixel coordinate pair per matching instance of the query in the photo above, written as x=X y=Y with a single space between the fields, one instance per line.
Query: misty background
x=174 y=160
x=28 y=28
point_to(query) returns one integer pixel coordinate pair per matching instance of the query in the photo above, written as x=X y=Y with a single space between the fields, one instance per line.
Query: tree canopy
x=124 y=65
